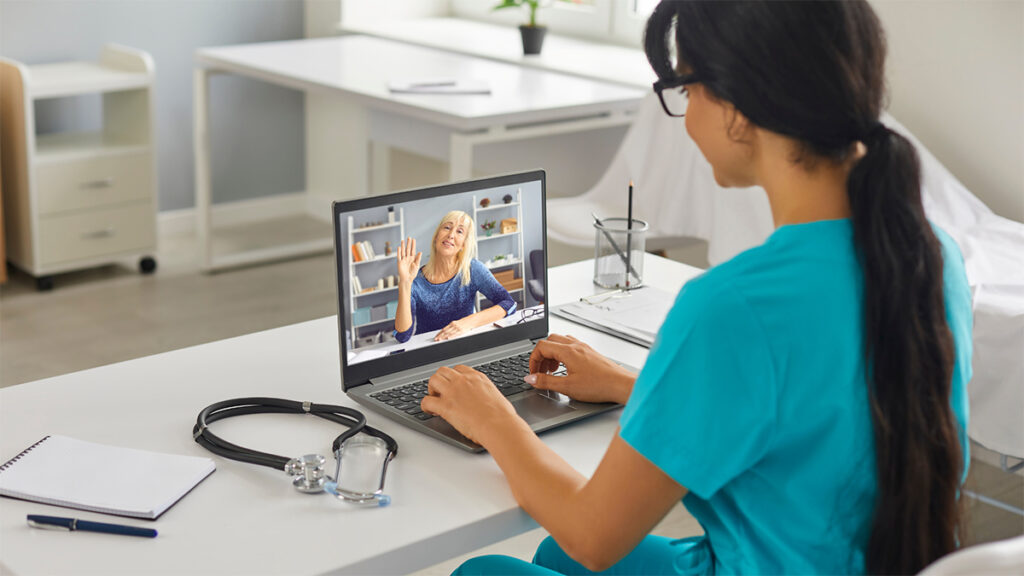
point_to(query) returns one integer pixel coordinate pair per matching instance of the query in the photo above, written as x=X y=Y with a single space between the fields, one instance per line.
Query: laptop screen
x=485 y=287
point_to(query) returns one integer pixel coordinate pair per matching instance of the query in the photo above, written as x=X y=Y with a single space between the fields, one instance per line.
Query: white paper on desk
x=439 y=86
x=637 y=313
x=65 y=471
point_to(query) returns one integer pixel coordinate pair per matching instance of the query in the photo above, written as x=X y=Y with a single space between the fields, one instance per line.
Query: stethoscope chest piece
x=308 y=473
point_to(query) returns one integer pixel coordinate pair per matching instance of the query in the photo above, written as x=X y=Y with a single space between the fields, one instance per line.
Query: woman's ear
x=738 y=127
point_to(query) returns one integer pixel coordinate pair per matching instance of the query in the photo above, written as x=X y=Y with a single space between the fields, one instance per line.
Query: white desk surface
x=613 y=63
x=427 y=338
x=246 y=519
x=360 y=68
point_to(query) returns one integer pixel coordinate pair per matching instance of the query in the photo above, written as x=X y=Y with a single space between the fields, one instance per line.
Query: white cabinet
x=76 y=200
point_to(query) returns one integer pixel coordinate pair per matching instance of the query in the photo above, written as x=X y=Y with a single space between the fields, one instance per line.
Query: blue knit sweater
x=434 y=306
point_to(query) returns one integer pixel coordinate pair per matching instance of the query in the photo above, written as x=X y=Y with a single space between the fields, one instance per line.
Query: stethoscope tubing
x=353 y=419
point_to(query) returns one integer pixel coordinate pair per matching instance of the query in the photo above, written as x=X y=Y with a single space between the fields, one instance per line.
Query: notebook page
x=75 y=473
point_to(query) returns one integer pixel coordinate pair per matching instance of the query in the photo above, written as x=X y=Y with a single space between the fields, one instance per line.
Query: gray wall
x=257 y=132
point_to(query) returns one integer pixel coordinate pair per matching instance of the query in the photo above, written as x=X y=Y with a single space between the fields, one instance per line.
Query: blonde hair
x=467 y=254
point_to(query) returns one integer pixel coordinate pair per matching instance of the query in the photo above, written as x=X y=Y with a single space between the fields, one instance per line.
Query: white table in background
x=624 y=65
x=524 y=103
x=247 y=519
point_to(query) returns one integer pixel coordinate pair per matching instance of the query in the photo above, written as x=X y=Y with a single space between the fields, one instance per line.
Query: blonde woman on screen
x=441 y=295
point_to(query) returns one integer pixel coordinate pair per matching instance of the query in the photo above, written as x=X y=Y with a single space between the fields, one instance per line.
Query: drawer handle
x=97 y=234
x=97 y=184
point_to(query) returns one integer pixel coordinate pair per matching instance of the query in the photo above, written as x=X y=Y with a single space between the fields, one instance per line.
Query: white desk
x=246 y=519
x=524 y=103
x=427 y=338
x=623 y=65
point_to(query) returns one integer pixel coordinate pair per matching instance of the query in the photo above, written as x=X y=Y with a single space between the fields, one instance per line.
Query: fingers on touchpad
x=539 y=407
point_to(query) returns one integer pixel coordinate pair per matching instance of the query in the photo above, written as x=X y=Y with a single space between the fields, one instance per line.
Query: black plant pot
x=533 y=38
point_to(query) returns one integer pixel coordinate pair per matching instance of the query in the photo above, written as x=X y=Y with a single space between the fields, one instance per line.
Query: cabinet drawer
x=96 y=233
x=93 y=182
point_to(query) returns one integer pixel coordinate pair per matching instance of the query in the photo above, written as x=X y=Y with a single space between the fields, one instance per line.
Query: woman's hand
x=590 y=377
x=408 y=261
x=455 y=328
x=470 y=402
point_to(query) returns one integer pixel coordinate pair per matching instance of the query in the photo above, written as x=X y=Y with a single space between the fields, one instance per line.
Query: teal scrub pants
x=654 y=555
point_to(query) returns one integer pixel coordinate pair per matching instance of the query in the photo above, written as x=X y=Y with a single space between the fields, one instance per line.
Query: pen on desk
x=629 y=232
x=432 y=84
x=73 y=524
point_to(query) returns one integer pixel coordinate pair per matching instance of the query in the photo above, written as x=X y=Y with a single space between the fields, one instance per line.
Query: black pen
x=629 y=233
x=72 y=524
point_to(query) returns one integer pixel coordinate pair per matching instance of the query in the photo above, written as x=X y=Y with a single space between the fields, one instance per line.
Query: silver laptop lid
x=510 y=227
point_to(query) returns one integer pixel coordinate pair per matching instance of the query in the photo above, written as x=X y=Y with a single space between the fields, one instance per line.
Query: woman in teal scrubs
x=806 y=399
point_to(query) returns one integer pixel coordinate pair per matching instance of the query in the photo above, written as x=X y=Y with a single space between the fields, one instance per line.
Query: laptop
x=388 y=372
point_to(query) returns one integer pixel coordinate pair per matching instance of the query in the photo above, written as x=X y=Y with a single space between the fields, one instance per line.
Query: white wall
x=257 y=133
x=956 y=80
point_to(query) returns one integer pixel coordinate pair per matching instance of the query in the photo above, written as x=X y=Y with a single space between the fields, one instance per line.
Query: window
x=628 y=20
x=584 y=18
x=643 y=8
x=615 y=21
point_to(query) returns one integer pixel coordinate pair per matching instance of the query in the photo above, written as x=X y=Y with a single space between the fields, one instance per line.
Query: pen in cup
x=74 y=524
x=629 y=233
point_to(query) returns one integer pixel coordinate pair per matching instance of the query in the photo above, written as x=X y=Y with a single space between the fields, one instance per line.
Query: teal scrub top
x=754 y=398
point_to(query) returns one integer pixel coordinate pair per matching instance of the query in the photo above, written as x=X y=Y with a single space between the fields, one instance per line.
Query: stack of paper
x=439 y=86
x=634 y=315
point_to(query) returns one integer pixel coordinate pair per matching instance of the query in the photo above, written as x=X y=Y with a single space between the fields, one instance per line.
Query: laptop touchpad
x=538 y=407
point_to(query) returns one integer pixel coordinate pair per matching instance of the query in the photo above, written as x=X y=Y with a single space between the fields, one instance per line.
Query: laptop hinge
x=473 y=359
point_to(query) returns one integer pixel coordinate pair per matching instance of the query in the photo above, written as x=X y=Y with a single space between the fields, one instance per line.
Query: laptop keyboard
x=507 y=374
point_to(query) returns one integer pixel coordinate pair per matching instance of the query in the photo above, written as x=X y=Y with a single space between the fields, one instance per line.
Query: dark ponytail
x=910 y=351
x=814 y=71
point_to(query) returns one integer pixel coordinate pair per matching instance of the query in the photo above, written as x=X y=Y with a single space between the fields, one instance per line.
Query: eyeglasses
x=528 y=313
x=675 y=101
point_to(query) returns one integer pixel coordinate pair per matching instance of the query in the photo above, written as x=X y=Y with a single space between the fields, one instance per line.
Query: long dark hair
x=814 y=71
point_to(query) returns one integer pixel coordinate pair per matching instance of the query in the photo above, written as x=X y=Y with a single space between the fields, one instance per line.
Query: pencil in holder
x=619 y=253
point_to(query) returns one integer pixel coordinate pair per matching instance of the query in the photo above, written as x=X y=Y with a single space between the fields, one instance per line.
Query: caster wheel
x=44 y=283
x=147 y=265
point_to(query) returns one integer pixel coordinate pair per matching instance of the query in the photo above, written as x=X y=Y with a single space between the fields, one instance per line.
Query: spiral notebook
x=68 y=472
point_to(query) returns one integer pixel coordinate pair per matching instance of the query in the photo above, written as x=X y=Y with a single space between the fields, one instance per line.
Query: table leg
x=201 y=151
x=380 y=168
x=460 y=157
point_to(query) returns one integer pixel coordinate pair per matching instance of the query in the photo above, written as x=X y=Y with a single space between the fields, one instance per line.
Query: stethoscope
x=307 y=472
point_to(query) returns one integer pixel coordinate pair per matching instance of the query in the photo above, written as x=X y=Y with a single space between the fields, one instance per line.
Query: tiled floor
x=113 y=314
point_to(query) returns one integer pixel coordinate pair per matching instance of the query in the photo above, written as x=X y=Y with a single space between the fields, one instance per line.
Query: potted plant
x=532 y=33
x=488 y=227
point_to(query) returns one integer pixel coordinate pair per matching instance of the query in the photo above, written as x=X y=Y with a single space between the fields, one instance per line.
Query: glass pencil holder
x=619 y=253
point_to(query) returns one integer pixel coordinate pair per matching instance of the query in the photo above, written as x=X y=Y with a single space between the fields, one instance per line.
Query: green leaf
x=508 y=4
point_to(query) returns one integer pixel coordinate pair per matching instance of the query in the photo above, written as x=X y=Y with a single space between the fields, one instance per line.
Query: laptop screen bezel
x=360 y=373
